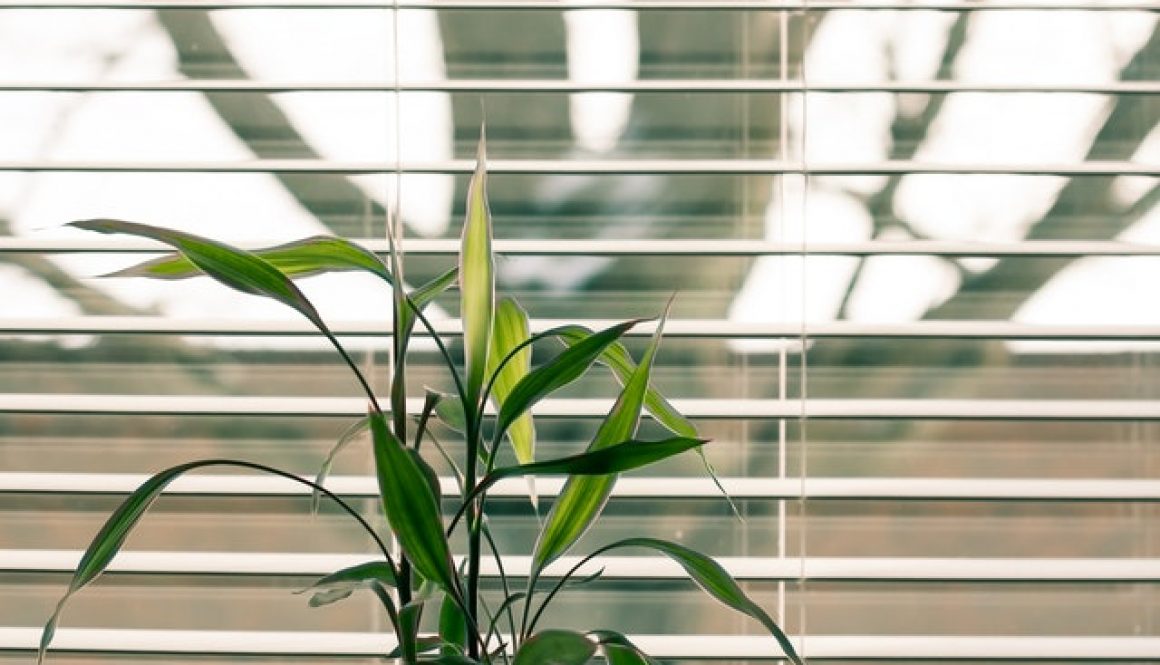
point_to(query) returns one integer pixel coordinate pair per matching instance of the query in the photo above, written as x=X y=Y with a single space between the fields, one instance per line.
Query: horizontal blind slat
x=681 y=86
x=691 y=328
x=837 y=647
x=651 y=247
x=845 y=569
x=703 y=167
x=632 y=487
x=938 y=409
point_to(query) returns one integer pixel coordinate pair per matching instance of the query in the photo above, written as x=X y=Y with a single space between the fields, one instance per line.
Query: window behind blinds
x=913 y=246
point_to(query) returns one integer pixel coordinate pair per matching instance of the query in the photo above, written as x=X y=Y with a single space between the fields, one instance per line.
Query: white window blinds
x=912 y=245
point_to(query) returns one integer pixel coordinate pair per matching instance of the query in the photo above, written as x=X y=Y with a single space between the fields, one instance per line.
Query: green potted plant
x=497 y=370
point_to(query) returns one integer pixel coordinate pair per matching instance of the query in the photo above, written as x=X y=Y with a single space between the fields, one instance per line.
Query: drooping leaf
x=116 y=529
x=509 y=331
x=569 y=365
x=236 y=268
x=716 y=581
x=583 y=497
x=555 y=647
x=350 y=434
x=619 y=650
x=477 y=278
x=301 y=258
x=109 y=540
x=343 y=583
x=452 y=627
x=411 y=507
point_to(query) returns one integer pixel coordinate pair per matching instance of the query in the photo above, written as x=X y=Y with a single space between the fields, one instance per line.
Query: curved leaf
x=555 y=647
x=619 y=650
x=348 y=435
x=301 y=258
x=710 y=576
x=343 y=583
x=237 y=269
x=584 y=497
x=120 y=523
x=617 y=359
x=411 y=506
x=477 y=278
x=109 y=540
x=569 y=365
x=510 y=329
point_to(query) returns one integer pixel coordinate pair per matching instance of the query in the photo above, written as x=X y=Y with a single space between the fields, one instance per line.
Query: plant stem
x=473 y=527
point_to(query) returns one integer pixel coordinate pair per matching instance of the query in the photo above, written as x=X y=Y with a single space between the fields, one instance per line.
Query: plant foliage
x=497 y=370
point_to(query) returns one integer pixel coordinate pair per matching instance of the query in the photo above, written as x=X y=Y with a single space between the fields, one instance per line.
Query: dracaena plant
x=496 y=371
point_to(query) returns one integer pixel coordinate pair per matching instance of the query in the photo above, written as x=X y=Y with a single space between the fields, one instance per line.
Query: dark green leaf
x=452 y=627
x=558 y=372
x=619 y=650
x=510 y=331
x=477 y=278
x=343 y=583
x=350 y=434
x=710 y=576
x=583 y=497
x=618 y=458
x=555 y=647
x=411 y=507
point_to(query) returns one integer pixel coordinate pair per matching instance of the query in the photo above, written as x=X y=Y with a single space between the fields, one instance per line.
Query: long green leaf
x=710 y=576
x=343 y=583
x=236 y=268
x=121 y=522
x=477 y=279
x=621 y=457
x=569 y=365
x=510 y=330
x=301 y=258
x=411 y=507
x=233 y=267
x=555 y=647
x=583 y=497
x=617 y=358
x=109 y=540
x=618 y=649
x=624 y=456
